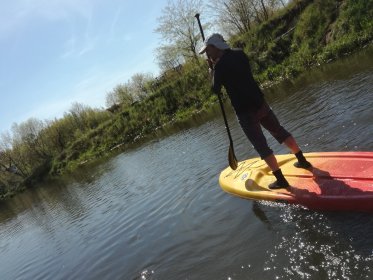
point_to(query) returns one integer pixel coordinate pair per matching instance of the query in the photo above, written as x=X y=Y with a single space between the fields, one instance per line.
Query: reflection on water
x=157 y=212
x=320 y=246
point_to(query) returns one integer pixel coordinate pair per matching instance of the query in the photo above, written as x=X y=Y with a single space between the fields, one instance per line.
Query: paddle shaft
x=231 y=156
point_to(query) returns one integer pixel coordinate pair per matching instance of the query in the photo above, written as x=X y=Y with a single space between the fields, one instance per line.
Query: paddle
x=231 y=156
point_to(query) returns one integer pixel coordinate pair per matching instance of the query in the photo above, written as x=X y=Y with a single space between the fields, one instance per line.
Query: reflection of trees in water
x=66 y=193
x=44 y=205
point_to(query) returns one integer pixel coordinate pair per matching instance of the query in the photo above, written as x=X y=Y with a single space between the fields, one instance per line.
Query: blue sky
x=56 y=52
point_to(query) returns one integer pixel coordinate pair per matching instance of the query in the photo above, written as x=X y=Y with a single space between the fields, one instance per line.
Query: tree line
x=281 y=38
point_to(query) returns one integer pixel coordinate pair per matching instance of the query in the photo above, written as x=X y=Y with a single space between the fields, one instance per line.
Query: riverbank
x=302 y=36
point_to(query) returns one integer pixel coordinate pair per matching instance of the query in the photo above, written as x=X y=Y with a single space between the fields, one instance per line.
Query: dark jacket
x=234 y=73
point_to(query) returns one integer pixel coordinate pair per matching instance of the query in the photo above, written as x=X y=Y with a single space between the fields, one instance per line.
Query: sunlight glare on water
x=313 y=237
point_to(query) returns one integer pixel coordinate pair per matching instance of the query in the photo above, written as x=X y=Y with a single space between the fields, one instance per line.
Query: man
x=231 y=69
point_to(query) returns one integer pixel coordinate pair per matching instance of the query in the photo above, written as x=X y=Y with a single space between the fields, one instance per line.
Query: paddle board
x=338 y=181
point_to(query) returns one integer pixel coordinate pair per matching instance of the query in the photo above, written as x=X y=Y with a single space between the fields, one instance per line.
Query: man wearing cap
x=231 y=69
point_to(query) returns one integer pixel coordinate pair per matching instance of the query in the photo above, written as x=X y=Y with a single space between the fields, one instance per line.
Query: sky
x=57 y=52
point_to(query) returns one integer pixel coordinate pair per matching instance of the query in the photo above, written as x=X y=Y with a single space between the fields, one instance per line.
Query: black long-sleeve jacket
x=234 y=73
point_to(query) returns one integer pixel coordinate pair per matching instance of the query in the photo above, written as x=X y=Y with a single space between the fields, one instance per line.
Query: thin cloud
x=113 y=25
x=83 y=38
x=18 y=15
x=69 y=47
x=76 y=49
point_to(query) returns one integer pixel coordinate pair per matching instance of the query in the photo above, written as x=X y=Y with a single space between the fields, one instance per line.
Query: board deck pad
x=337 y=181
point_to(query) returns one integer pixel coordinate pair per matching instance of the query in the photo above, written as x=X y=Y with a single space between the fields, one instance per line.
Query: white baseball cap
x=216 y=40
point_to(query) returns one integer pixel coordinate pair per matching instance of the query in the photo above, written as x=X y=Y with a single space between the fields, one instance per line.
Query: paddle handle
x=231 y=156
x=200 y=27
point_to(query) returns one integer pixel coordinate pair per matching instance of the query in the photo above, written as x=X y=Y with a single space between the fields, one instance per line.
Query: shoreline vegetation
x=299 y=36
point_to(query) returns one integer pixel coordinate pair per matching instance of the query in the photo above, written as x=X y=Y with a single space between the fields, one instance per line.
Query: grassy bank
x=301 y=36
x=307 y=34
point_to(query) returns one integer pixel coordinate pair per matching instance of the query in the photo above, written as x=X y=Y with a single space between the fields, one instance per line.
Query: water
x=157 y=212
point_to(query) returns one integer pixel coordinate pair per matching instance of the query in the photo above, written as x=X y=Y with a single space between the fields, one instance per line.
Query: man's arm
x=216 y=81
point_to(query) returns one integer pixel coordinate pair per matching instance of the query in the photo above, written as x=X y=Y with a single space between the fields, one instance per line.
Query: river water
x=157 y=211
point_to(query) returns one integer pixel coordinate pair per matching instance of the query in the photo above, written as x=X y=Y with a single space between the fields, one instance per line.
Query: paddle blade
x=232 y=158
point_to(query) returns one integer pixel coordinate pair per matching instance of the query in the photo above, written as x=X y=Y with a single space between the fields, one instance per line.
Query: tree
x=233 y=16
x=264 y=8
x=57 y=134
x=238 y=16
x=23 y=149
x=29 y=134
x=84 y=117
x=121 y=94
x=179 y=29
x=6 y=160
x=135 y=89
x=168 y=57
x=140 y=85
x=111 y=99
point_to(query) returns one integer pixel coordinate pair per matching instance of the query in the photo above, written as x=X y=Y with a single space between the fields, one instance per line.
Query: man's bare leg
x=272 y=162
x=293 y=146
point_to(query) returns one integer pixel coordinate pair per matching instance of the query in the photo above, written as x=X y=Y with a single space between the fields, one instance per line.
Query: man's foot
x=276 y=185
x=303 y=164
x=280 y=183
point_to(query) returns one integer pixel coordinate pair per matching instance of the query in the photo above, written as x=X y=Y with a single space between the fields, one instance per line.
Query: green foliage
x=310 y=31
x=355 y=17
x=305 y=34
x=352 y=29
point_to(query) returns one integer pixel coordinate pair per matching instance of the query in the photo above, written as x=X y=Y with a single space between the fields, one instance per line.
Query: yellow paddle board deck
x=336 y=181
